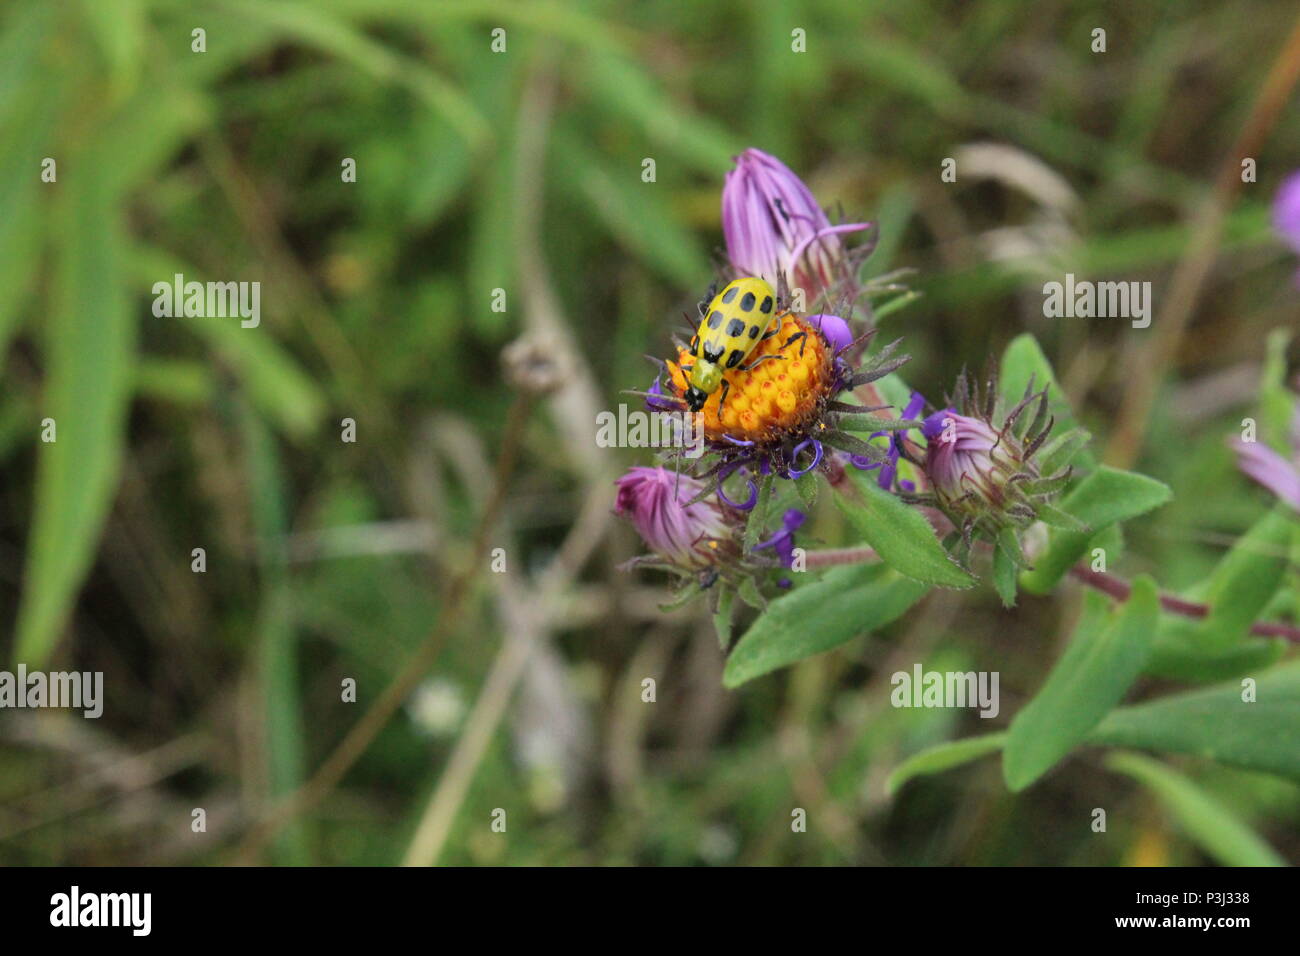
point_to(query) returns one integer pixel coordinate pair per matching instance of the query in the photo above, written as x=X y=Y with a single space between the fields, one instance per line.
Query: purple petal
x=654 y=403
x=817 y=457
x=834 y=330
x=932 y=427
x=914 y=406
x=1270 y=469
x=1286 y=210
x=753 y=490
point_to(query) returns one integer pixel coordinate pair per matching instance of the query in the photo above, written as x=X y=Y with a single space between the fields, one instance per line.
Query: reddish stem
x=1120 y=589
x=833 y=556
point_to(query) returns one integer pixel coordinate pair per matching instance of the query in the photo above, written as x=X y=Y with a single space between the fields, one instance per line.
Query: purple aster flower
x=774 y=227
x=689 y=536
x=1286 y=211
x=783 y=541
x=982 y=475
x=1270 y=469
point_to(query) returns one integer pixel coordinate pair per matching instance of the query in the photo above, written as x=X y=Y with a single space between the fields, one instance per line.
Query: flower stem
x=1120 y=589
x=835 y=556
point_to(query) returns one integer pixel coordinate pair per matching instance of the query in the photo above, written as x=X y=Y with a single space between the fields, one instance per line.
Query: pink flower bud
x=692 y=537
x=774 y=227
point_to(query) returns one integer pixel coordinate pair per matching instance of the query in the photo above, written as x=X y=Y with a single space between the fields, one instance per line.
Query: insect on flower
x=731 y=325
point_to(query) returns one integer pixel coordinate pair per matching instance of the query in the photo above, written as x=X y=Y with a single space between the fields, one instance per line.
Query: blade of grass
x=277 y=649
x=90 y=345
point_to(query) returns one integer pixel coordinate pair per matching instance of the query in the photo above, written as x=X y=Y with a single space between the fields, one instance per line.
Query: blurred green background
x=521 y=170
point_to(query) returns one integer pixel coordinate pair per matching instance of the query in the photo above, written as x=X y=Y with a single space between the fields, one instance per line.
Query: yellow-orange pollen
x=774 y=396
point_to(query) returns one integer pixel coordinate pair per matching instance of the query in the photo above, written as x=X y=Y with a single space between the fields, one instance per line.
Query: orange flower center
x=776 y=394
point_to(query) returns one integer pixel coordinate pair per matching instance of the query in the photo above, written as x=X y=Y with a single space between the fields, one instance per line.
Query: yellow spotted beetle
x=732 y=323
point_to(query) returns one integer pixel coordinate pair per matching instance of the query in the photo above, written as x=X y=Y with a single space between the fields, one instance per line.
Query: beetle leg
x=801 y=338
x=759 y=361
x=775 y=330
x=708 y=297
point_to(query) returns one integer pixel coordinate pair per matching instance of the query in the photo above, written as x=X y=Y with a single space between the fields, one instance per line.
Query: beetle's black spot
x=767 y=304
x=735 y=327
x=715 y=320
x=734 y=358
x=713 y=351
x=747 y=303
x=753 y=331
x=730 y=295
x=695 y=344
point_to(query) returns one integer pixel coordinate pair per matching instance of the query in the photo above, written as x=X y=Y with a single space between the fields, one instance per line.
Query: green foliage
x=1104 y=498
x=1105 y=656
x=1218 y=724
x=1276 y=401
x=90 y=343
x=1210 y=824
x=1244 y=582
x=843 y=604
x=943 y=757
x=1007 y=558
x=902 y=537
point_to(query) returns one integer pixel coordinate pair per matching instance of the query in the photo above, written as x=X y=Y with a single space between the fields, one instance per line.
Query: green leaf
x=758 y=516
x=1216 y=724
x=277 y=644
x=749 y=593
x=1054 y=517
x=1062 y=449
x=808 y=485
x=683 y=596
x=903 y=538
x=872 y=423
x=1004 y=573
x=1104 y=658
x=118 y=27
x=815 y=617
x=885 y=309
x=952 y=753
x=175 y=381
x=32 y=99
x=1209 y=824
x=90 y=344
x=722 y=616
x=1105 y=497
x=1244 y=582
x=1276 y=402
x=1179 y=654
